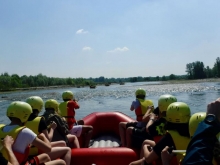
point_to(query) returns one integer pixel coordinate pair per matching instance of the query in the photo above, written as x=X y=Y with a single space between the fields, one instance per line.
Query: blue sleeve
x=200 y=148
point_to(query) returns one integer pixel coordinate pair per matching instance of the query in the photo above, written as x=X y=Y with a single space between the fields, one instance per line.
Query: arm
x=76 y=106
x=7 y=143
x=166 y=156
x=42 y=143
x=152 y=119
x=49 y=135
x=146 y=116
x=132 y=106
x=149 y=156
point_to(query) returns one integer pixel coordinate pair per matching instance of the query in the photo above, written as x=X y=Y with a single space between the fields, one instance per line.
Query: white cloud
x=81 y=31
x=86 y=48
x=124 y=49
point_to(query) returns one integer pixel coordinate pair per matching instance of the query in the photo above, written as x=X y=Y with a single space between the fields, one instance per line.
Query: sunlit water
x=119 y=97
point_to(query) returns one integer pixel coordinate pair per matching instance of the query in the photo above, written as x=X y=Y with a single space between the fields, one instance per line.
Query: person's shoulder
x=27 y=131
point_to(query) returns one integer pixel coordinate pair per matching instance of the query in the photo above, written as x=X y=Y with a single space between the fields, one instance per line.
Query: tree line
x=194 y=70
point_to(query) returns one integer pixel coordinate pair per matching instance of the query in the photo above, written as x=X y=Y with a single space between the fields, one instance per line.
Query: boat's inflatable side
x=104 y=156
x=105 y=122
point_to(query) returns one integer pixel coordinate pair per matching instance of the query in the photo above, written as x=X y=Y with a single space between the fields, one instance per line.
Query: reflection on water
x=119 y=97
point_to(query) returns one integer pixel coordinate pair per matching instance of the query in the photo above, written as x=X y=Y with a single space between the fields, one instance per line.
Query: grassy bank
x=191 y=81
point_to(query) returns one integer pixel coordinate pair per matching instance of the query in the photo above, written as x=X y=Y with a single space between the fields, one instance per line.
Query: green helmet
x=20 y=110
x=178 y=112
x=67 y=95
x=51 y=103
x=140 y=91
x=164 y=101
x=194 y=121
x=35 y=102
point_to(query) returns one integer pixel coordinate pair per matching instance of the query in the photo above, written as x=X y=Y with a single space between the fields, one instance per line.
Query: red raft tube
x=105 y=144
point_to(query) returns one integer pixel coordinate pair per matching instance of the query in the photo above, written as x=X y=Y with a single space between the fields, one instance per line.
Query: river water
x=119 y=97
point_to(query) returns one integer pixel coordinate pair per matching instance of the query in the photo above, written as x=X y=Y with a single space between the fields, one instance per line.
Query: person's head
x=67 y=95
x=164 y=101
x=177 y=116
x=140 y=93
x=36 y=104
x=19 y=112
x=51 y=105
x=194 y=121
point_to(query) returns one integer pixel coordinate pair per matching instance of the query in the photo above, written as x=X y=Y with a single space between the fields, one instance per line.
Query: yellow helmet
x=20 y=110
x=164 y=101
x=67 y=95
x=178 y=112
x=140 y=91
x=35 y=102
x=51 y=103
x=194 y=121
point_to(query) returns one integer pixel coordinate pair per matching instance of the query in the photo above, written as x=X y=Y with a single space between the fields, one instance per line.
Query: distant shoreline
x=67 y=86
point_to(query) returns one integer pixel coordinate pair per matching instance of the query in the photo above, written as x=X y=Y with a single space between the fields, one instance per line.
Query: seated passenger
x=142 y=109
x=166 y=155
x=201 y=147
x=62 y=131
x=7 y=143
x=67 y=110
x=38 y=125
x=177 y=136
x=18 y=112
x=156 y=125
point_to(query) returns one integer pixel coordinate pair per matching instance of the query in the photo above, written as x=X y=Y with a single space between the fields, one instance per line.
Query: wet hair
x=140 y=96
x=181 y=128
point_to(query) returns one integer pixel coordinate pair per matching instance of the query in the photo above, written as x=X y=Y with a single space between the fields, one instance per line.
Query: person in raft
x=177 y=136
x=142 y=108
x=67 y=110
x=38 y=125
x=204 y=145
x=18 y=112
x=62 y=130
x=156 y=125
x=167 y=156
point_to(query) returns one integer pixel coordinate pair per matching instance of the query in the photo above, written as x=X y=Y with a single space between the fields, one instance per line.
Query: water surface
x=119 y=97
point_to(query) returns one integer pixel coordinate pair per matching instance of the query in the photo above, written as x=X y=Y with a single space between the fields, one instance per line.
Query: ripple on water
x=117 y=93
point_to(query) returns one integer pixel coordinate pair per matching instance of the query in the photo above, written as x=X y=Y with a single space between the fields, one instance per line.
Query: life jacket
x=181 y=143
x=160 y=131
x=21 y=157
x=66 y=112
x=34 y=126
x=142 y=109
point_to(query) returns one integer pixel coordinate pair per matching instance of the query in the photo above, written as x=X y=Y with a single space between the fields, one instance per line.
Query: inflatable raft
x=105 y=144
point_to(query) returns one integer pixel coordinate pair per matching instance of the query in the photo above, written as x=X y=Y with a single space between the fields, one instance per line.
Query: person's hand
x=150 y=107
x=214 y=108
x=8 y=142
x=53 y=125
x=166 y=156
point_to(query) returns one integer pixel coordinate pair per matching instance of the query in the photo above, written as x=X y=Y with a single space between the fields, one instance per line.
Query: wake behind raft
x=105 y=148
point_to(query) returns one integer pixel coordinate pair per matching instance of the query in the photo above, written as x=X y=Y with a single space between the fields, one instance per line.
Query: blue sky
x=107 y=38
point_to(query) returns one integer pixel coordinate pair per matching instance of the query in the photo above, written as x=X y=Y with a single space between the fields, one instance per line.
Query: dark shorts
x=131 y=124
x=32 y=161
x=138 y=136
